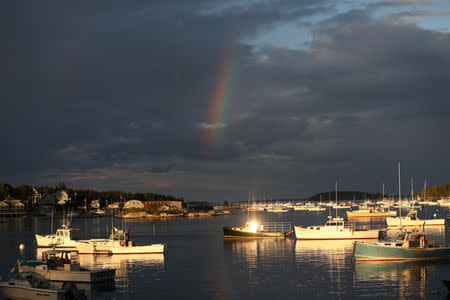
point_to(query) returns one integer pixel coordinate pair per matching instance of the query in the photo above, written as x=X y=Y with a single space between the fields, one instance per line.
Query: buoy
x=21 y=246
x=435 y=215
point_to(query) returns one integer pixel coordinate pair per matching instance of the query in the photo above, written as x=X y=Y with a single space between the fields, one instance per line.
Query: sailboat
x=411 y=219
x=408 y=245
x=335 y=229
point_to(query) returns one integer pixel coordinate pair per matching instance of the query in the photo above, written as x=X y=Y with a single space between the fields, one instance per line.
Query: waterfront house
x=95 y=204
x=133 y=204
x=11 y=207
x=62 y=197
x=177 y=204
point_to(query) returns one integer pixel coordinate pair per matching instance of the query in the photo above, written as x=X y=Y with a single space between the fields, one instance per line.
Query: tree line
x=344 y=195
x=78 y=196
x=438 y=191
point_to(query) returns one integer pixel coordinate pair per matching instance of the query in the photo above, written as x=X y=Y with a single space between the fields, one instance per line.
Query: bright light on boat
x=253 y=226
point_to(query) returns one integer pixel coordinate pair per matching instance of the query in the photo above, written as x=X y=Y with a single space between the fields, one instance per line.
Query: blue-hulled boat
x=408 y=246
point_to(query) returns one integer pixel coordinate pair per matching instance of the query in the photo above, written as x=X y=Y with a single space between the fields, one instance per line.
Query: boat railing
x=276 y=226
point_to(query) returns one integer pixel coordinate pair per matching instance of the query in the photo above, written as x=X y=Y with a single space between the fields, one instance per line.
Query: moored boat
x=336 y=229
x=259 y=230
x=118 y=243
x=408 y=246
x=368 y=213
x=64 y=265
x=412 y=220
x=30 y=285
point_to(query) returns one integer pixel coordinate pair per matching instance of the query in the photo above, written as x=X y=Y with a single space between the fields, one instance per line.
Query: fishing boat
x=259 y=230
x=118 y=243
x=64 y=265
x=408 y=246
x=30 y=285
x=411 y=220
x=276 y=209
x=336 y=229
x=370 y=213
x=63 y=238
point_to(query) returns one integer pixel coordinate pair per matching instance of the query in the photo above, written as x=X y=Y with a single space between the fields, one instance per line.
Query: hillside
x=436 y=192
x=344 y=195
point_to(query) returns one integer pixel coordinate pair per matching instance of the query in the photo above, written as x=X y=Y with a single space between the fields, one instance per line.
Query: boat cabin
x=120 y=235
x=66 y=232
x=334 y=224
x=61 y=259
x=410 y=240
x=412 y=214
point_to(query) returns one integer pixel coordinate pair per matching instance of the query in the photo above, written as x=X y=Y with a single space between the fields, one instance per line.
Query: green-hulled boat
x=408 y=246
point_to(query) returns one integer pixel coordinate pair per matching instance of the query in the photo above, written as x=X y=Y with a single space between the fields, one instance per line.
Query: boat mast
x=51 y=224
x=425 y=189
x=412 y=190
x=336 y=204
x=399 y=196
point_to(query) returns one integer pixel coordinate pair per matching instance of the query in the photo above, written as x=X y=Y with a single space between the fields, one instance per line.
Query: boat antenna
x=425 y=190
x=51 y=224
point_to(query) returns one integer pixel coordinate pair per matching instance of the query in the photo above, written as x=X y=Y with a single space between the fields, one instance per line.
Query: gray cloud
x=120 y=96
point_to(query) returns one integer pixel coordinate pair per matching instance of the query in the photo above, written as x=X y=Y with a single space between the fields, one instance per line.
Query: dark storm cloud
x=81 y=72
x=94 y=91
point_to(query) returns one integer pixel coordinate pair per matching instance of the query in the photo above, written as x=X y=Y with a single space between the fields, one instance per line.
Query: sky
x=212 y=100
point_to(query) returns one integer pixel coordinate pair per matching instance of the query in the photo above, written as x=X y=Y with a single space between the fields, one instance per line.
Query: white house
x=62 y=197
x=95 y=204
x=133 y=204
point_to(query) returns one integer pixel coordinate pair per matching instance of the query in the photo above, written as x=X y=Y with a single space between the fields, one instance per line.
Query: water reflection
x=401 y=279
x=333 y=259
x=251 y=250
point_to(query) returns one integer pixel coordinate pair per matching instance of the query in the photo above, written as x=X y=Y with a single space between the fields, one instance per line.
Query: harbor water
x=201 y=264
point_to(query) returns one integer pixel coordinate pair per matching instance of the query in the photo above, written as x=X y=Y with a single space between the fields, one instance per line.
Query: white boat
x=276 y=209
x=335 y=229
x=300 y=207
x=411 y=219
x=118 y=243
x=259 y=230
x=63 y=238
x=30 y=285
x=445 y=202
x=315 y=208
x=369 y=213
x=64 y=265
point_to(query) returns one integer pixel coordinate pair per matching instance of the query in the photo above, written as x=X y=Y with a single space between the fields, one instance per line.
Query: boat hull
x=85 y=276
x=108 y=248
x=318 y=234
x=231 y=232
x=21 y=292
x=358 y=214
x=395 y=222
x=376 y=252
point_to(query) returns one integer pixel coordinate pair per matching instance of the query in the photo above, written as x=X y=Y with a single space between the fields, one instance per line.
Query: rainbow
x=220 y=96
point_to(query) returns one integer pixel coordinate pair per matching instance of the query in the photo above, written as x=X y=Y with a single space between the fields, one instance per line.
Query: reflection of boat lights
x=253 y=226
